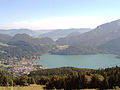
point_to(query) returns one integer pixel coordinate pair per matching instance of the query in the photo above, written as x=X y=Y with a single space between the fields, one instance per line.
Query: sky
x=57 y=14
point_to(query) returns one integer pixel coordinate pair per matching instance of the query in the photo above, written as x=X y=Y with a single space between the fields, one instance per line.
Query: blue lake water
x=80 y=61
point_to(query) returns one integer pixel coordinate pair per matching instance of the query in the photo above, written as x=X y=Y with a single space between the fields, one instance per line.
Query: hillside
x=29 y=39
x=4 y=38
x=23 y=45
x=89 y=41
x=112 y=46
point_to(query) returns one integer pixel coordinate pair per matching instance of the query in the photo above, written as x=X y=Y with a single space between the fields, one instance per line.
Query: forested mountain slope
x=88 y=42
x=23 y=45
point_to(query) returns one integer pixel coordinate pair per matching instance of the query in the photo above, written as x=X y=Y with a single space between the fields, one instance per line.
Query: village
x=21 y=66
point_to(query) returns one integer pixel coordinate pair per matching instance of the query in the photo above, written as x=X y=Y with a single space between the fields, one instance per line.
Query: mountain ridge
x=92 y=39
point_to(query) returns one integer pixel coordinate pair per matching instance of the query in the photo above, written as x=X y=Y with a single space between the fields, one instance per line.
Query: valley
x=91 y=44
x=59 y=45
x=93 y=55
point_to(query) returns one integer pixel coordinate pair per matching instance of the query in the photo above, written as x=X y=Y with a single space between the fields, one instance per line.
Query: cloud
x=61 y=22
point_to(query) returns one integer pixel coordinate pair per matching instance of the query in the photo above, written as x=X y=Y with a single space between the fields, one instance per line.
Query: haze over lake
x=80 y=61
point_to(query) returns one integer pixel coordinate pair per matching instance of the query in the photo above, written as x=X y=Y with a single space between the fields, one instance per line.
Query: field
x=32 y=87
x=62 y=47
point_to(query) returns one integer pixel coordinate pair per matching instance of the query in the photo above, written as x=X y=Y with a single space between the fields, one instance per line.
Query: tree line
x=81 y=79
x=66 y=78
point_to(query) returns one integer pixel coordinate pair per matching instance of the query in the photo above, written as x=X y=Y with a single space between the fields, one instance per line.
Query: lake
x=80 y=61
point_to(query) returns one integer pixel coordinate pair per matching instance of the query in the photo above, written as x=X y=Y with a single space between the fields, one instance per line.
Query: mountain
x=54 y=34
x=112 y=46
x=34 y=33
x=31 y=40
x=4 y=38
x=39 y=32
x=89 y=41
x=23 y=45
x=101 y=34
x=59 y=33
x=73 y=34
x=13 y=32
x=102 y=39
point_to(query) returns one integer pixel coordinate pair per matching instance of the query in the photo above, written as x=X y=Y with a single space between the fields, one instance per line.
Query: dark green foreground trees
x=67 y=78
x=7 y=79
x=79 y=79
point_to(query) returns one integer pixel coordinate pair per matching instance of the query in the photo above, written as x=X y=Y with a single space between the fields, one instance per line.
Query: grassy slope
x=32 y=87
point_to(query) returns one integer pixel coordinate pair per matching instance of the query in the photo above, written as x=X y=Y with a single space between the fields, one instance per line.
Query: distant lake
x=80 y=61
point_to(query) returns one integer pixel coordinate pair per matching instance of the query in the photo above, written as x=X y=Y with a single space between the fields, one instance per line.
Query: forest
x=23 y=46
x=75 y=78
x=7 y=79
x=66 y=78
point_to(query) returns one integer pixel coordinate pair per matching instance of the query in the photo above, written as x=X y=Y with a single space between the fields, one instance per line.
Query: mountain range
x=54 y=34
x=59 y=33
x=104 y=36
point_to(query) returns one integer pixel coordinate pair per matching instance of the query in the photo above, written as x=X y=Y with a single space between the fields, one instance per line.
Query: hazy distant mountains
x=54 y=34
x=105 y=36
x=13 y=32
x=59 y=33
